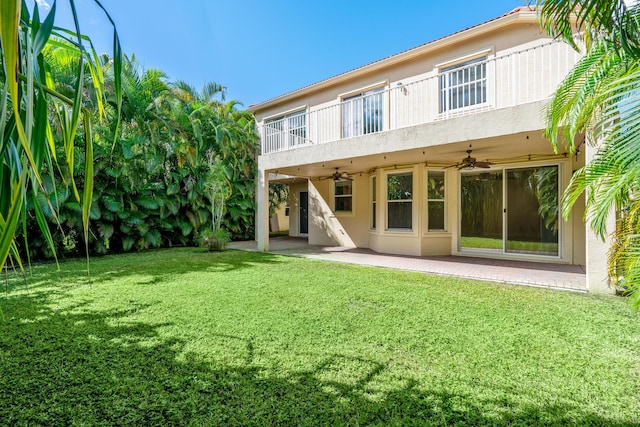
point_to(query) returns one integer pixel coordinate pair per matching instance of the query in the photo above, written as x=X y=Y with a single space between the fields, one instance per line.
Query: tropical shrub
x=152 y=168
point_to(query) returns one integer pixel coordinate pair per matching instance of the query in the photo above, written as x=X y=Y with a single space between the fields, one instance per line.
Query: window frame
x=443 y=200
x=563 y=176
x=373 y=205
x=412 y=229
x=365 y=93
x=443 y=69
x=334 y=196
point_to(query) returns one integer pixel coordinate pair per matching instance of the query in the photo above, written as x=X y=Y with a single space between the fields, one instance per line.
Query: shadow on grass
x=79 y=366
x=153 y=265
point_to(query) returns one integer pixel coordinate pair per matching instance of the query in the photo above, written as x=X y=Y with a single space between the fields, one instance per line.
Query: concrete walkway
x=547 y=275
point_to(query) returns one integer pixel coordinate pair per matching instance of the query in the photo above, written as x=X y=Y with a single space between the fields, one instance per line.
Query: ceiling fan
x=338 y=176
x=341 y=176
x=471 y=162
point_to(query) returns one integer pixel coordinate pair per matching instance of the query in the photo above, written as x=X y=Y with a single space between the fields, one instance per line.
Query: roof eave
x=525 y=16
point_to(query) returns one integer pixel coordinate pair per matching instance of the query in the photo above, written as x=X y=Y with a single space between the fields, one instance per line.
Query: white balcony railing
x=516 y=78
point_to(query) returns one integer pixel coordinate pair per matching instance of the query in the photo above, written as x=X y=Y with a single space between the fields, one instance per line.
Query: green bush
x=151 y=171
x=214 y=240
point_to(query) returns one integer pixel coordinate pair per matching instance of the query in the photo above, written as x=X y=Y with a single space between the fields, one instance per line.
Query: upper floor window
x=463 y=85
x=343 y=196
x=363 y=113
x=286 y=131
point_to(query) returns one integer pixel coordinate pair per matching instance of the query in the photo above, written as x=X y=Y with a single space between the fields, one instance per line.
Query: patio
x=546 y=275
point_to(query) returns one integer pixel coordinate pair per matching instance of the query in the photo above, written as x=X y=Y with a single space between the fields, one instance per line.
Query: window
x=400 y=201
x=373 y=202
x=362 y=113
x=343 y=196
x=515 y=210
x=286 y=131
x=435 y=201
x=463 y=85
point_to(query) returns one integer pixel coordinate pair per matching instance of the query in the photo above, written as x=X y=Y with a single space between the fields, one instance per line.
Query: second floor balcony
x=468 y=86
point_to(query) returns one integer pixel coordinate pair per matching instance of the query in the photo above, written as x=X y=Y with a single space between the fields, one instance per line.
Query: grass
x=187 y=337
x=480 y=242
x=512 y=245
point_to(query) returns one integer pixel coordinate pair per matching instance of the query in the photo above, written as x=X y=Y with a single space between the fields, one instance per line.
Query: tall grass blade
x=42 y=34
x=8 y=225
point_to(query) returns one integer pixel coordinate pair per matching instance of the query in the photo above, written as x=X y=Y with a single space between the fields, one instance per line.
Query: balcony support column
x=262 y=209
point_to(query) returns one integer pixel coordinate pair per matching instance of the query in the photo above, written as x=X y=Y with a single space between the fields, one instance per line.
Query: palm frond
x=608 y=19
x=601 y=98
x=212 y=90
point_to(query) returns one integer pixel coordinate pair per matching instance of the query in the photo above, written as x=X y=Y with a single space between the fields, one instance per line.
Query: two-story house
x=437 y=150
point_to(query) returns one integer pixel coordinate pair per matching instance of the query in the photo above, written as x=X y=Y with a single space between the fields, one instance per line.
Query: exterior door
x=481 y=220
x=532 y=211
x=304 y=212
x=511 y=211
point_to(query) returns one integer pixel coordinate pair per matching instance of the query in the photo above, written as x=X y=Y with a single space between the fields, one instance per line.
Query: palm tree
x=601 y=98
x=208 y=94
x=29 y=99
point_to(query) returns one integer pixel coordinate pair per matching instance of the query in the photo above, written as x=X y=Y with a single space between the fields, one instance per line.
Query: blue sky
x=262 y=49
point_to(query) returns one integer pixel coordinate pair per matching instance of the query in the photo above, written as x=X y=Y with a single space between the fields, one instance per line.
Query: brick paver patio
x=548 y=275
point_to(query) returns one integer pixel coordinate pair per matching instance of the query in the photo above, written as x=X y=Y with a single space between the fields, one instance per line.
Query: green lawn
x=187 y=337
x=513 y=245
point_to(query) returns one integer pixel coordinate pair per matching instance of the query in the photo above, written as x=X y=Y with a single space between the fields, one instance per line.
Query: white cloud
x=43 y=4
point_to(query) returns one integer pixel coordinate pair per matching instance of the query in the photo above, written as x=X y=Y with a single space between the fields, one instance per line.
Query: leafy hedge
x=150 y=169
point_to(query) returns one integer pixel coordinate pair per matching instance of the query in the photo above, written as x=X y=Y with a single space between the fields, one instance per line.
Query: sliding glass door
x=510 y=211
x=532 y=210
x=481 y=211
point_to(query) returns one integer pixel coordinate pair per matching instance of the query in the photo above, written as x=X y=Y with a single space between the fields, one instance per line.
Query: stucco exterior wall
x=478 y=128
x=496 y=132
x=418 y=135
x=324 y=228
x=577 y=218
x=425 y=64
x=280 y=220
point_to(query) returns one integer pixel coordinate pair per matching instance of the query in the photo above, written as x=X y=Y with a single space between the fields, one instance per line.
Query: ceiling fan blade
x=483 y=165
